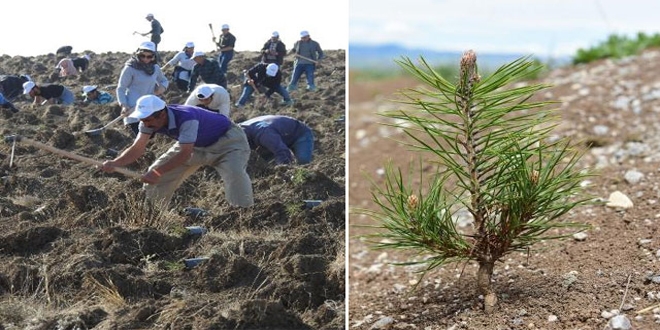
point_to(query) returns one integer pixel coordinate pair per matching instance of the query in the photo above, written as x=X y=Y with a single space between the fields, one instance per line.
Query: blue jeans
x=298 y=70
x=223 y=60
x=66 y=98
x=303 y=147
x=248 y=90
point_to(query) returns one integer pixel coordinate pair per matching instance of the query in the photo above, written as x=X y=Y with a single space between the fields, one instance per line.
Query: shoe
x=291 y=88
x=287 y=103
x=238 y=105
x=311 y=88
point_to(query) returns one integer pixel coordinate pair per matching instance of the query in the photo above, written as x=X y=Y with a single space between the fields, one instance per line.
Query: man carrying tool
x=267 y=75
x=225 y=45
x=156 y=31
x=203 y=138
x=308 y=54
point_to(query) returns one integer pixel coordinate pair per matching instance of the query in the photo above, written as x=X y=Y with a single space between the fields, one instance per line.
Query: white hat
x=150 y=15
x=87 y=89
x=304 y=34
x=148 y=45
x=225 y=26
x=275 y=35
x=198 y=53
x=204 y=92
x=146 y=106
x=190 y=44
x=271 y=69
x=86 y=57
x=27 y=87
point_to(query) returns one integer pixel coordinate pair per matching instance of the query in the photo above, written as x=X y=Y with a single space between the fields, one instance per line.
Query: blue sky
x=538 y=27
x=42 y=26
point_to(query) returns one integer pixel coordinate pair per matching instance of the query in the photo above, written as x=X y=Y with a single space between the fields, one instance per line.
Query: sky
x=42 y=26
x=546 y=28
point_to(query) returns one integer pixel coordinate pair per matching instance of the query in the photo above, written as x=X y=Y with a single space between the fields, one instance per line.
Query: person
x=48 y=93
x=81 y=63
x=203 y=138
x=208 y=70
x=308 y=53
x=139 y=76
x=281 y=138
x=267 y=75
x=183 y=65
x=225 y=45
x=64 y=51
x=11 y=86
x=66 y=67
x=7 y=104
x=211 y=97
x=273 y=50
x=93 y=95
x=155 y=32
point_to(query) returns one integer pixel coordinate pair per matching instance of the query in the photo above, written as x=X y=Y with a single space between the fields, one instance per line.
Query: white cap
x=146 y=106
x=198 y=53
x=271 y=69
x=87 y=89
x=148 y=45
x=304 y=34
x=86 y=57
x=275 y=35
x=225 y=26
x=150 y=15
x=27 y=87
x=204 y=92
x=190 y=44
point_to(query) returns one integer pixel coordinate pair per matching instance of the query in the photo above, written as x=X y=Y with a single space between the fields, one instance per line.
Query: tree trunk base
x=490 y=303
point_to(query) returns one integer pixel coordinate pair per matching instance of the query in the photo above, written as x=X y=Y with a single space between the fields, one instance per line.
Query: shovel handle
x=77 y=157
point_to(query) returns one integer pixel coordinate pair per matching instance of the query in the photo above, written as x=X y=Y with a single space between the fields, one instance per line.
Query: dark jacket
x=210 y=73
x=279 y=47
x=258 y=74
x=11 y=86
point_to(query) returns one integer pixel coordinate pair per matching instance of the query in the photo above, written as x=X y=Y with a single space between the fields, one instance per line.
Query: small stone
x=383 y=323
x=618 y=199
x=606 y=315
x=619 y=322
x=580 y=236
x=633 y=177
x=552 y=318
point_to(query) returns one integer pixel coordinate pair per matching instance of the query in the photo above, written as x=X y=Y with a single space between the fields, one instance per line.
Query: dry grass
x=107 y=291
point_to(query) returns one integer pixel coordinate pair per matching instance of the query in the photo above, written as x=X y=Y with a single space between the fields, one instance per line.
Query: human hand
x=159 y=90
x=108 y=166
x=151 y=177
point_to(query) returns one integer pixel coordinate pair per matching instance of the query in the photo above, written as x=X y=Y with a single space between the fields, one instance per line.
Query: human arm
x=185 y=151
x=161 y=81
x=128 y=156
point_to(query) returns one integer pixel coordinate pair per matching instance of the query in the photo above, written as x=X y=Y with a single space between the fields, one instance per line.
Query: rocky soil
x=608 y=278
x=79 y=249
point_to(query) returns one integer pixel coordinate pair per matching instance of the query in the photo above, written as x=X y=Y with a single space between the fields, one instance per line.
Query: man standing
x=156 y=31
x=308 y=54
x=284 y=138
x=211 y=97
x=273 y=50
x=226 y=48
x=203 y=138
x=208 y=69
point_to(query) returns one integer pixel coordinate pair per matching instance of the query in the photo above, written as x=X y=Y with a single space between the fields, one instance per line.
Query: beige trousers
x=229 y=156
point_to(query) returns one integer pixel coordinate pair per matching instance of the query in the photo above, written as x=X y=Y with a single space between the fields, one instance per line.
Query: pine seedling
x=495 y=158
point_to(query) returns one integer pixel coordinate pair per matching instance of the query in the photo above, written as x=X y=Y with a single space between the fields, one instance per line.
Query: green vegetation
x=495 y=162
x=617 y=46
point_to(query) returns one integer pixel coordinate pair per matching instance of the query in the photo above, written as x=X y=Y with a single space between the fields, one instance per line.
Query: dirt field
x=78 y=249
x=612 y=108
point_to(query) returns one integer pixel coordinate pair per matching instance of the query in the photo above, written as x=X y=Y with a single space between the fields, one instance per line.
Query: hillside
x=80 y=250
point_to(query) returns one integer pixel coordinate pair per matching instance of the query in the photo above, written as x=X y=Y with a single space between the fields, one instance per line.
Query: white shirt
x=182 y=61
x=219 y=102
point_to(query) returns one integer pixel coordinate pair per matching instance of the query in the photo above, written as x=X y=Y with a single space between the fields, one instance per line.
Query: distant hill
x=383 y=56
